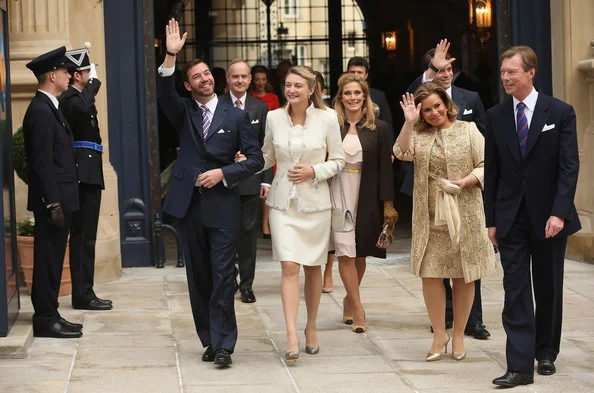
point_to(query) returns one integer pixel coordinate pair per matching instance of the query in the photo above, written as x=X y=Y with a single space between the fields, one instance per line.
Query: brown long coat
x=464 y=150
x=376 y=187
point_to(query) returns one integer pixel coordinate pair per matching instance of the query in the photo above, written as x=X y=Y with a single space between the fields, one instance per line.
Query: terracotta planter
x=25 y=246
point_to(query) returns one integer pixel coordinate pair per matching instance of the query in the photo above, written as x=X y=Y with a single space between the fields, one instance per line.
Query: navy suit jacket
x=470 y=108
x=257 y=111
x=50 y=157
x=230 y=131
x=546 y=178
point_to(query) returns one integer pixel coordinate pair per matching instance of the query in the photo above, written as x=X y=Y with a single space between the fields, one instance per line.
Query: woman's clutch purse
x=384 y=239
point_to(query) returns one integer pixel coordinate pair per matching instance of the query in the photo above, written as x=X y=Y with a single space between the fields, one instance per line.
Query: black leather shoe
x=55 y=330
x=247 y=296
x=208 y=355
x=222 y=357
x=92 y=305
x=448 y=324
x=546 y=367
x=478 y=331
x=511 y=379
x=106 y=301
x=75 y=327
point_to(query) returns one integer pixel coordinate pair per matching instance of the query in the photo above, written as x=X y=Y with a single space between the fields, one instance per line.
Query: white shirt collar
x=211 y=105
x=242 y=99
x=307 y=112
x=51 y=97
x=529 y=101
x=79 y=90
x=449 y=91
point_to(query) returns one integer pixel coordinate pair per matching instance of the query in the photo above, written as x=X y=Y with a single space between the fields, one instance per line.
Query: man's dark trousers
x=48 y=261
x=211 y=285
x=83 y=235
x=540 y=334
x=246 y=250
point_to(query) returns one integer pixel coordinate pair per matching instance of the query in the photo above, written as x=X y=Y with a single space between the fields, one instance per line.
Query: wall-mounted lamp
x=390 y=40
x=481 y=13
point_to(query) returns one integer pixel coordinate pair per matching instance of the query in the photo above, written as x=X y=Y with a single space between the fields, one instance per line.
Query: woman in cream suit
x=304 y=139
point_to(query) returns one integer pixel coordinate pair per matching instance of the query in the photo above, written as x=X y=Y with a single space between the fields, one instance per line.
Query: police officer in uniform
x=53 y=190
x=78 y=106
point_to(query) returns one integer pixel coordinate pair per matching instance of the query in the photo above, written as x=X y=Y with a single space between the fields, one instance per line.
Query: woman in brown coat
x=449 y=237
x=368 y=190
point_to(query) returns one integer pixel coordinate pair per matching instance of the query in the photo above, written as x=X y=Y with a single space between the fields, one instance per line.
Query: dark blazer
x=229 y=132
x=80 y=112
x=257 y=111
x=379 y=98
x=376 y=187
x=470 y=108
x=546 y=178
x=50 y=157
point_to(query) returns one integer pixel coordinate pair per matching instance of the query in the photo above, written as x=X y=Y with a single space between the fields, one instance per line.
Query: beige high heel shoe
x=431 y=357
x=360 y=328
x=348 y=319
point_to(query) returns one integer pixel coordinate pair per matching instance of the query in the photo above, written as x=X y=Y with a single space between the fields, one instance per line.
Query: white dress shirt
x=530 y=103
x=51 y=97
x=242 y=100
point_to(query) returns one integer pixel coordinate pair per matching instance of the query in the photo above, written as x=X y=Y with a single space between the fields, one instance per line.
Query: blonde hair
x=424 y=91
x=309 y=75
x=367 y=108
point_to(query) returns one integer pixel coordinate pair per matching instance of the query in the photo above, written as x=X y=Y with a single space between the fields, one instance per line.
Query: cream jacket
x=289 y=145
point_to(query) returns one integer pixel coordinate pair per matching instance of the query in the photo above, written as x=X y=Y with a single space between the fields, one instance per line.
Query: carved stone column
x=37 y=26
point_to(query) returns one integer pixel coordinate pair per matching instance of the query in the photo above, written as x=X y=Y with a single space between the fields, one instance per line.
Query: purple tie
x=522 y=128
x=205 y=120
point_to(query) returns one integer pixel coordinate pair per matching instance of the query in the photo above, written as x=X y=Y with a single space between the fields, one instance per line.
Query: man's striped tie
x=522 y=128
x=205 y=120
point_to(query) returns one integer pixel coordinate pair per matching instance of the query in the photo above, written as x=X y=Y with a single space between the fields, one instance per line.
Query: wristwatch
x=171 y=53
x=434 y=68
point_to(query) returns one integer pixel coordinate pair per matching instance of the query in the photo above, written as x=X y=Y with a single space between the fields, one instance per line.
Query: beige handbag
x=342 y=219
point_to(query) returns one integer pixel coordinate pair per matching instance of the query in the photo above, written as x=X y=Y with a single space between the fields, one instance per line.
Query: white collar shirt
x=51 y=97
x=530 y=102
x=241 y=99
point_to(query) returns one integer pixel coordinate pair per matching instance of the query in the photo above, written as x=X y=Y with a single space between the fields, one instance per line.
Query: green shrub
x=20 y=157
x=26 y=227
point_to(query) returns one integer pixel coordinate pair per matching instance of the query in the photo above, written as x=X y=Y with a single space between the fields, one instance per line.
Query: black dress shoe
x=106 y=301
x=512 y=378
x=222 y=357
x=247 y=296
x=92 y=305
x=55 y=330
x=208 y=355
x=448 y=325
x=546 y=367
x=266 y=236
x=478 y=331
x=75 y=327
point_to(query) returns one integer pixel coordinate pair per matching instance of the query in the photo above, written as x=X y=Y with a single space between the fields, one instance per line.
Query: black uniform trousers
x=476 y=312
x=210 y=258
x=49 y=247
x=531 y=334
x=83 y=235
x=247 y=246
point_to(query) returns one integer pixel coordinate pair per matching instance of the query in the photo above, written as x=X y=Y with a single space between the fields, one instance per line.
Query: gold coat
x=464 y=151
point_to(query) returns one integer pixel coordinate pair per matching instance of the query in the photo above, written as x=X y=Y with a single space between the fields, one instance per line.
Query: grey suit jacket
x=257 y=111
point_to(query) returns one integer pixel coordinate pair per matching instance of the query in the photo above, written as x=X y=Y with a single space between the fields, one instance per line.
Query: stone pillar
x=37 y=26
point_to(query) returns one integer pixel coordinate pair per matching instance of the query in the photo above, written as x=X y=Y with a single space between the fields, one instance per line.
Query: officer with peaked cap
x=53 y=190
x=78 y=106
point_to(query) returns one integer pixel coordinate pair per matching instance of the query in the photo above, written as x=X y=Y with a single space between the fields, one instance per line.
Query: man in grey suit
x=256 y=186
x=470 y=108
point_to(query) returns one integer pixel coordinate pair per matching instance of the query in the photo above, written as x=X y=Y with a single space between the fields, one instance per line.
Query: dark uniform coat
x=376 y=187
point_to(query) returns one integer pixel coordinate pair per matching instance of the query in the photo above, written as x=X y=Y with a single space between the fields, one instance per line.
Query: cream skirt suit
x=300 y=213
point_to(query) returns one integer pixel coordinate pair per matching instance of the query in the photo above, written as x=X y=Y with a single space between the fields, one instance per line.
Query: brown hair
x=309 y=75
x=191 y=64
x=368 y=110
x=260 y=69
x=527 y=54
x=427 y=89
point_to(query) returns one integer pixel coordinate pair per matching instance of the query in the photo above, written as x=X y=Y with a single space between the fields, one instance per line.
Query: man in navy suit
x=53 y=190
x=470 y=108
x=256 y=186
x=203 y=193
x=531 y=172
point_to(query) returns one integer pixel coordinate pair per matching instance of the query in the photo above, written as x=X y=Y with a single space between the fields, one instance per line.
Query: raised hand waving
x=174 y=41
x=411 y=111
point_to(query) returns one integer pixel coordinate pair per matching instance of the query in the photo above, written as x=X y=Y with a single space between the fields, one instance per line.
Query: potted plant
x=26 y=227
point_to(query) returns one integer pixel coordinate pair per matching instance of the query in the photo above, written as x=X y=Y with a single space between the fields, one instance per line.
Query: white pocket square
x=255 y=121
x=548 y=127
x=467 y=112
x=221 y=131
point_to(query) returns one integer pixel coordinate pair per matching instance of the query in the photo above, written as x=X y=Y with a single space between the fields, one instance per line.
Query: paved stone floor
x=148 y=342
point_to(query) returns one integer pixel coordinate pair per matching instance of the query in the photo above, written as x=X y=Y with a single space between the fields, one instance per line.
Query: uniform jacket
x=546 y=178
x=50 y=157
x=464 y=151
x=80 y=111
x=321 y=139
x=470 y=108
x=376 y=187
x=230 y=131
x=257 y=111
